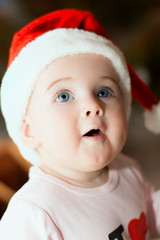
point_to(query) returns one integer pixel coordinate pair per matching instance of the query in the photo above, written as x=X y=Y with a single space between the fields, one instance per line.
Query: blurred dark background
x=134 y=25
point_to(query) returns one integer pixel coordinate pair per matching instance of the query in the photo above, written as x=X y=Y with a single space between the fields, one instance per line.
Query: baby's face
x=76 y=114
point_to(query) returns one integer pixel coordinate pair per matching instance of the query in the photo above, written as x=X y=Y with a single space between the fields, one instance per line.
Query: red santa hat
x=52 y=36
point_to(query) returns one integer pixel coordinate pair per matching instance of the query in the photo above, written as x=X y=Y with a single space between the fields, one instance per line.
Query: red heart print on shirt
x=138 y=228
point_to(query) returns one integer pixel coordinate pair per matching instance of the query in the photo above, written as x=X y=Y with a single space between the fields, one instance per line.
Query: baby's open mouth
x=93 y=132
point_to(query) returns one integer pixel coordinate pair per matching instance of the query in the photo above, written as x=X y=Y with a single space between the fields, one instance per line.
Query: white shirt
x=47 y=208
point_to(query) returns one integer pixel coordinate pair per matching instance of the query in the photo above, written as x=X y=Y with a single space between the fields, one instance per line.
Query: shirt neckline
x=110 y=185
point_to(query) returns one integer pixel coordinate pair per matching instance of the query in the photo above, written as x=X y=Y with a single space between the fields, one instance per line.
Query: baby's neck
x=84 y=180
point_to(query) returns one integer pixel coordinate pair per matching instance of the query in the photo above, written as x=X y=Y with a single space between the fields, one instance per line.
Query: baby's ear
x=28 y=135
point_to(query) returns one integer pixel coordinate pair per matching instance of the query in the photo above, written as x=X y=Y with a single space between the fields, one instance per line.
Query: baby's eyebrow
x=110 y=78
x=107 y=77
x=56 y=81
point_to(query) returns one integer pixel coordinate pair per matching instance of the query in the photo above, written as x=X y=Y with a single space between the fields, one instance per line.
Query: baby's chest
x=112 y=216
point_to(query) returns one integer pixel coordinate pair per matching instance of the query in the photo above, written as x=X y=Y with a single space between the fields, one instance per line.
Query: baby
x=66 y=99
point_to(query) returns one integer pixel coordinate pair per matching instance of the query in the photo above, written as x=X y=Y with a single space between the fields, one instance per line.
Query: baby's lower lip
x=94 y=137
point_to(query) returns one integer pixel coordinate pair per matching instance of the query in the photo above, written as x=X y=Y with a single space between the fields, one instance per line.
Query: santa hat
x=52 y=36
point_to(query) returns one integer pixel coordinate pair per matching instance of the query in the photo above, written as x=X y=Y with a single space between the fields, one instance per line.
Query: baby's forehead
x=76 y=67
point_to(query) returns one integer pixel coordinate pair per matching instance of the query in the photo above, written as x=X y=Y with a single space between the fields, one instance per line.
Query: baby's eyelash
x=107 y=89
x=59 y=92
x=64 y=95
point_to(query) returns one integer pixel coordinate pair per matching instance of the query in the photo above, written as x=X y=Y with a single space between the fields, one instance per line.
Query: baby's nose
x=93 y=112
x=92 y=108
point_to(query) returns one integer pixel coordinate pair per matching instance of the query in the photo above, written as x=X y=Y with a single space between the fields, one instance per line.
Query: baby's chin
x=94 y=164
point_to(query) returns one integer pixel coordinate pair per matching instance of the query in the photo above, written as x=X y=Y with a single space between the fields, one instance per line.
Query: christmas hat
x=52 y=36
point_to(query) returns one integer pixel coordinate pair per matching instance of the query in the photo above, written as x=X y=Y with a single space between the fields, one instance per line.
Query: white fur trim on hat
x=152 y=119
x=20 y=78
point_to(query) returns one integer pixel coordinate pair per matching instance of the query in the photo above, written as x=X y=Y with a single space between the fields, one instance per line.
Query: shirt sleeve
x=153 y=209
x=23 y=220
x=152 y=200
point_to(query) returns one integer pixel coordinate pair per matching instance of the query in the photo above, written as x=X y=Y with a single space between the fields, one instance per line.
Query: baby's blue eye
x=64 y=97
x=104 y=93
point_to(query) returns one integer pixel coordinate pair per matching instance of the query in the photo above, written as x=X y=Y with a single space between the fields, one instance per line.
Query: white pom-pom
x=152 y=119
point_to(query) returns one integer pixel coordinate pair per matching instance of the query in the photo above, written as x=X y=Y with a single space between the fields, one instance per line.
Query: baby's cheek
x=120 y=126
